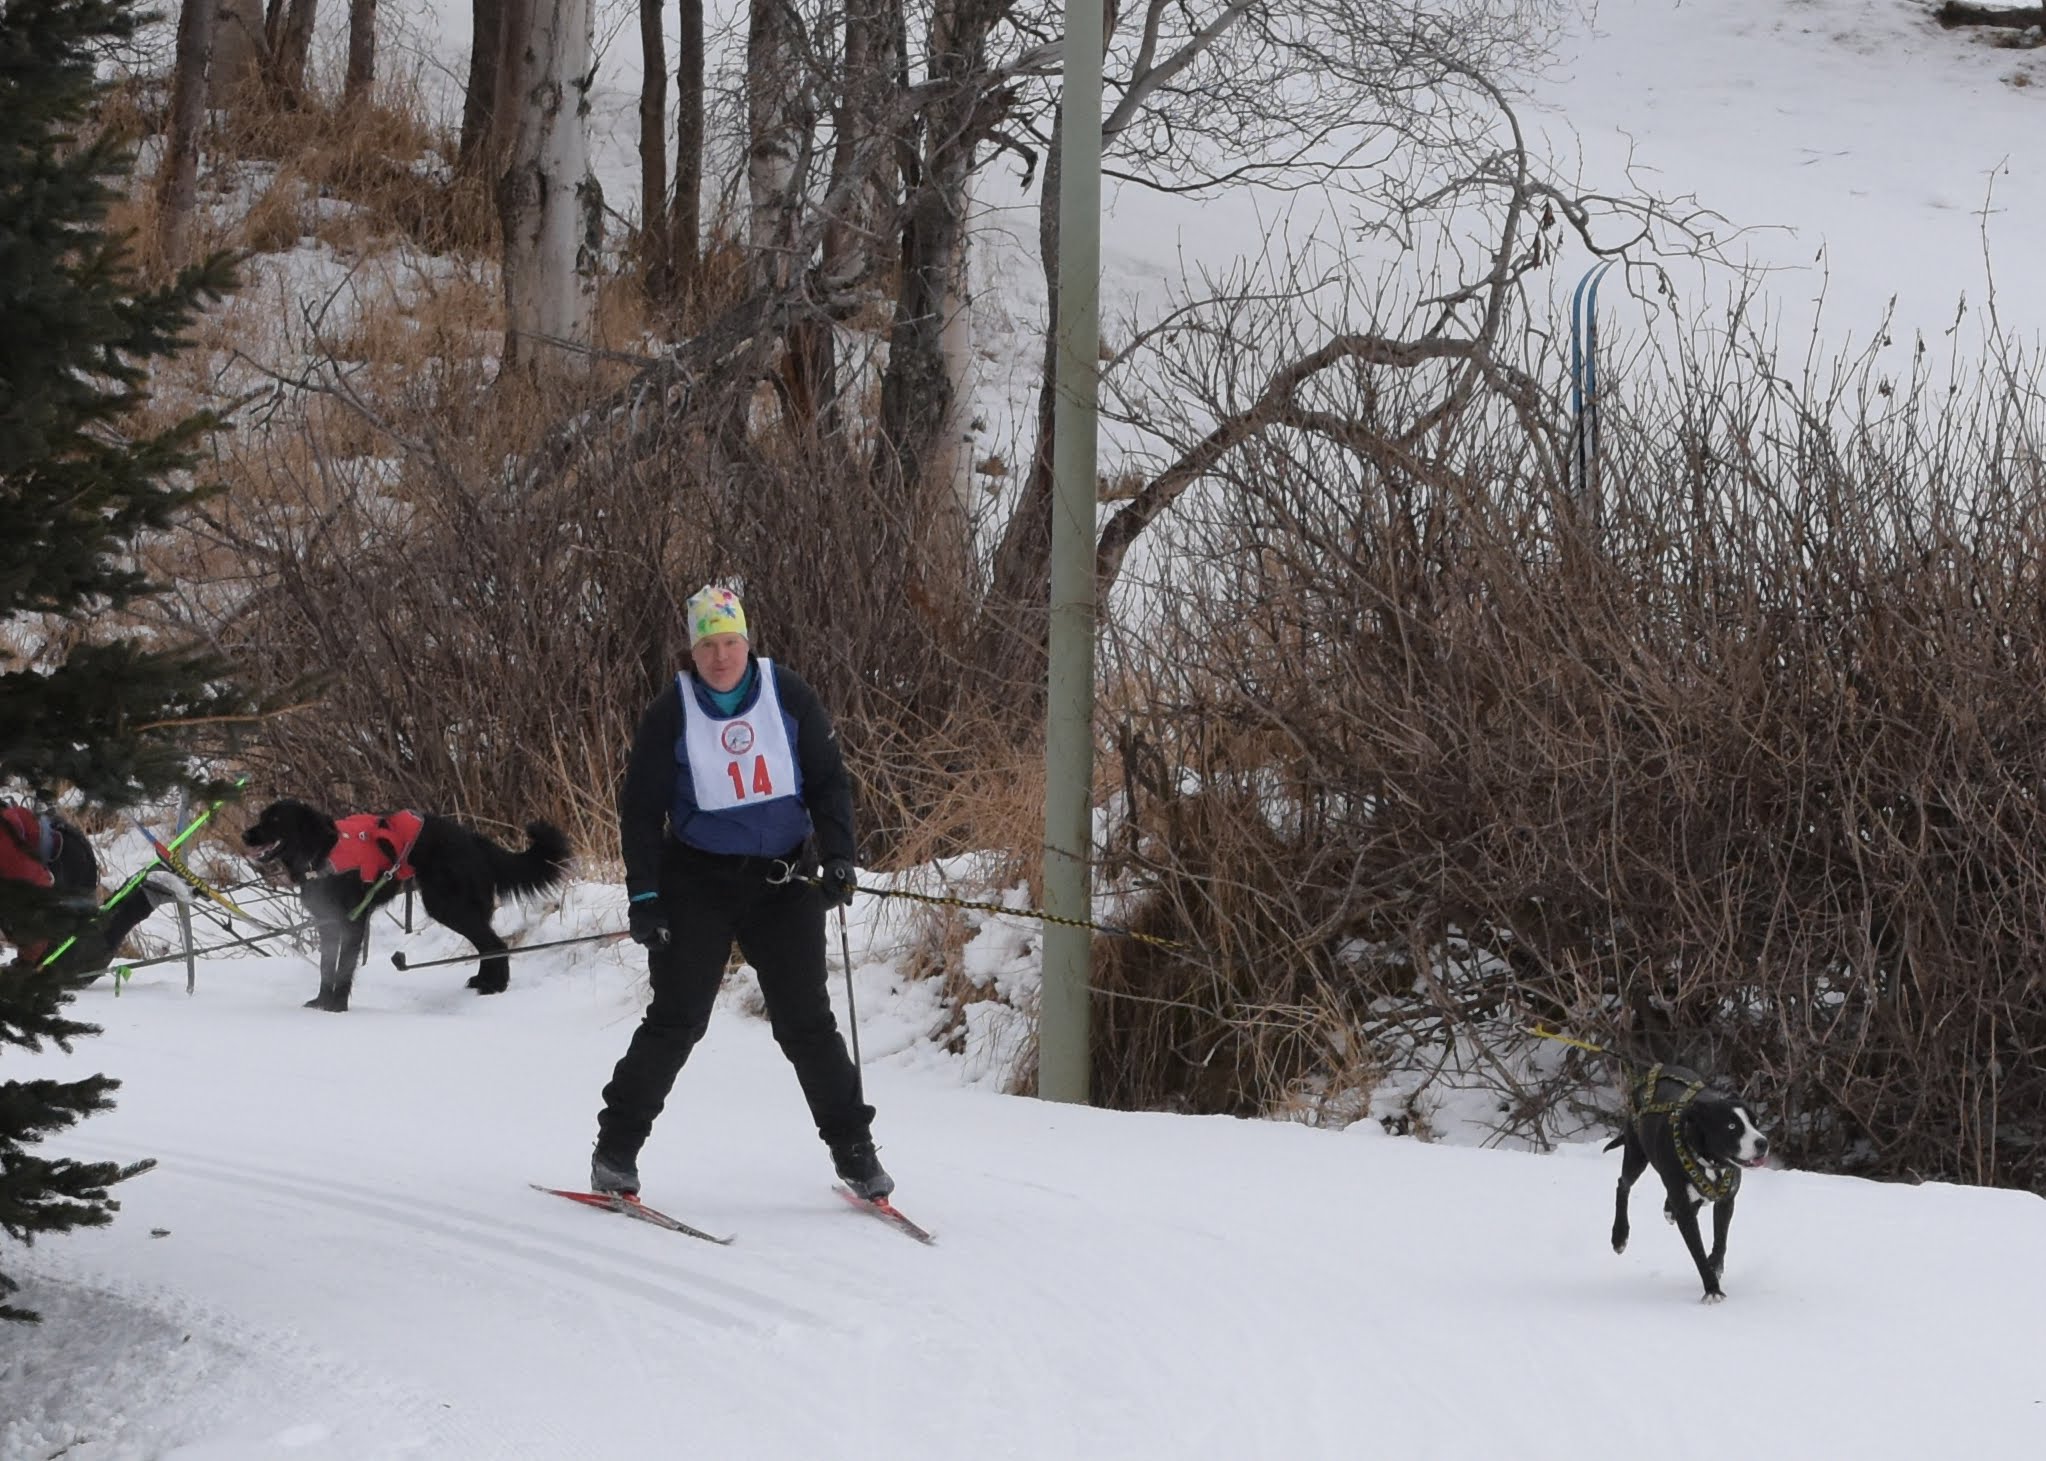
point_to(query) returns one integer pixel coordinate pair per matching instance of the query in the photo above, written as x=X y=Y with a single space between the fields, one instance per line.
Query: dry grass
x=985 y=793
x=381 y=157
x=277 y=220
x=623 y=316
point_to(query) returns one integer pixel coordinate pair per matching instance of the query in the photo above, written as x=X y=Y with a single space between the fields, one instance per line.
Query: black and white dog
x=1697 y=1140
x=461 y=875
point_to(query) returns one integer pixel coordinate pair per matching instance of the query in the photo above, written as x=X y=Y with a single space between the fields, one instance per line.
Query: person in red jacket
x=47 y=853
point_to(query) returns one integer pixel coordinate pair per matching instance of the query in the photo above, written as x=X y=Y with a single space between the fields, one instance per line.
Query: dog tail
x=1617 y=1141
x=541 y=866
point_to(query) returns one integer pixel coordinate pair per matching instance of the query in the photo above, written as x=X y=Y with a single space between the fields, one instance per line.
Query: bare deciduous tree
x=1317 y=94
x=654 y=239
x=362 y=50
x=781 y=115
x=242 y=47
x=685 y=222
x=177 y=176
x=548 y=201
x=922 y=397
x=290 y=37
x=479 y=94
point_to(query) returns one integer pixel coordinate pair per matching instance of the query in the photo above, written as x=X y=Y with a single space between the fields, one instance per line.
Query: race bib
x=742 y=761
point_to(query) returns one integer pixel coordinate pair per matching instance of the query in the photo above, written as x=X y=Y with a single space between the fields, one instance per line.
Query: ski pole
x=178 y=867
x=234 y=943
x=400 y=960
x=136 y=881
x=852 y=1014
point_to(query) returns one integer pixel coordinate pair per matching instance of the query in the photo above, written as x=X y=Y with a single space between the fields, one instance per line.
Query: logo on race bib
x=736 y=738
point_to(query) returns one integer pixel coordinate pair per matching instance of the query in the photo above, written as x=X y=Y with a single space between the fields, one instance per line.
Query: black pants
x=711 y=902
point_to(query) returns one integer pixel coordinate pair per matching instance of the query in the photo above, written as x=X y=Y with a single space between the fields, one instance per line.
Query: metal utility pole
x=1062 y=1028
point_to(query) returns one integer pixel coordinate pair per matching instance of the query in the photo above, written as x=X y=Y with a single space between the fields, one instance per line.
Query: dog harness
x=1710 y=1189
x=374 y=847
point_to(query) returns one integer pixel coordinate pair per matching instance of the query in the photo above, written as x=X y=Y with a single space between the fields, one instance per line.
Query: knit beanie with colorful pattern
x=713 y=610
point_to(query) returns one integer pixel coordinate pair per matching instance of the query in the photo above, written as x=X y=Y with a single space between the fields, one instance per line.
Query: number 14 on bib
x=762 y=779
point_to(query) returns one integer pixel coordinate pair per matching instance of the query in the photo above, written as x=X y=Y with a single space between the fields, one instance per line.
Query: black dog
x=461 y=875
x=1697 y=1140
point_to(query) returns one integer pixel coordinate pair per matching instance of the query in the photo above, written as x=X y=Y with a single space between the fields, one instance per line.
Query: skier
x=46 y=852
x=734 y=769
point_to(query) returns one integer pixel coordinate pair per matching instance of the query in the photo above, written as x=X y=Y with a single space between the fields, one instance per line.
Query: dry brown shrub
x=508 y=624
x=1746 y=769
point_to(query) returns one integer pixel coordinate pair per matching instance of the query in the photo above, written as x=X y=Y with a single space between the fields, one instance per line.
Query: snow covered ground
x=339 y=1257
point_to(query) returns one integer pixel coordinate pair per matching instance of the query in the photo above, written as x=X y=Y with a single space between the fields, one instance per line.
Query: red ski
x=632 y=1207
x=887 y=1211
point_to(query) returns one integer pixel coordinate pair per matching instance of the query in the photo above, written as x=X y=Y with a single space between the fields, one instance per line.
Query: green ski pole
x=136 y=881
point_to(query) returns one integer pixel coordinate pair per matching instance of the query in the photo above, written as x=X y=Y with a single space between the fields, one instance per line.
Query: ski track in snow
x=363 y=1272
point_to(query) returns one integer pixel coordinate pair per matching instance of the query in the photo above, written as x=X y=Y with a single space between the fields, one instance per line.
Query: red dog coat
x=369 y=845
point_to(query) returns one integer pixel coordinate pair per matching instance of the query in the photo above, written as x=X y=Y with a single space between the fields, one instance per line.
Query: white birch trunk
x=548 y=200
x=952 y=459
x=776 y=99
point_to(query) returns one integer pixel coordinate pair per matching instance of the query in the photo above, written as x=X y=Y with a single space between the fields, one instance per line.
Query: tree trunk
x=810 y=369
x=362 y=50
x=480 y=96
x=1016 y=619
x=548 y=202
x=921 y=403
x=778 y=136
x=177 y=176
x=241 y=46
x=685 y=209
x=955 y=348
x=653 y=149
x=852 y=238
x=507 y=83
x=289 y=50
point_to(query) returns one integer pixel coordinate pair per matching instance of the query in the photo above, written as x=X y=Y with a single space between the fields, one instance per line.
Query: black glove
x=648 y=923
x=838 y=882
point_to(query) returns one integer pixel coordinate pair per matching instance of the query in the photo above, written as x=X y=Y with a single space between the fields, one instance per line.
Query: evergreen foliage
x=87 y=710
